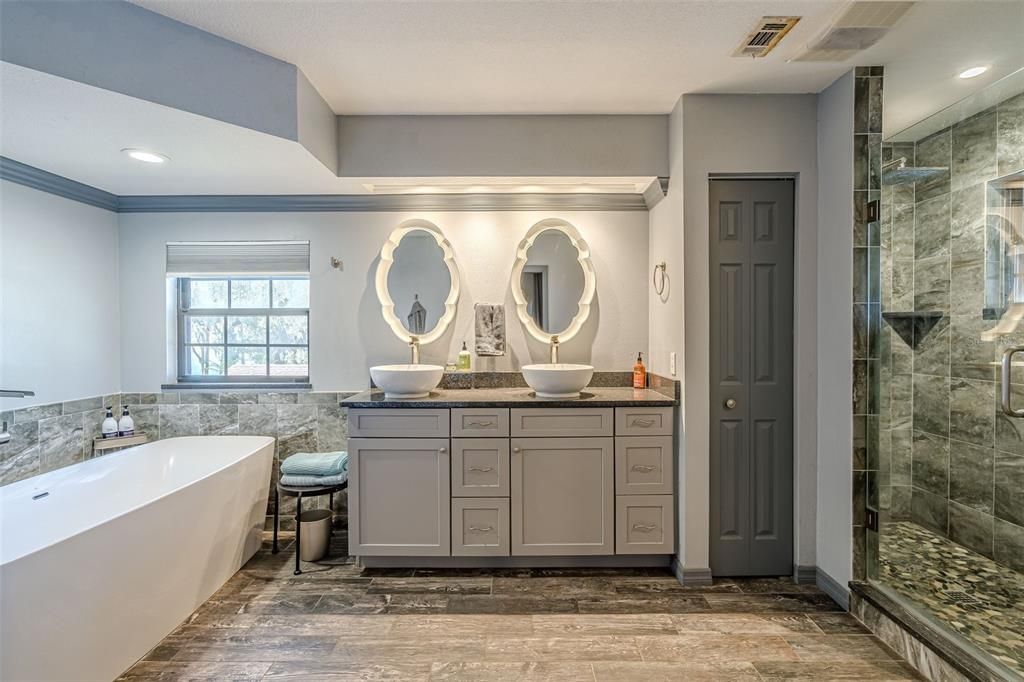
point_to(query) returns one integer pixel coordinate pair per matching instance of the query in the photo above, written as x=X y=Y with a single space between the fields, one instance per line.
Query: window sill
x=239 y=386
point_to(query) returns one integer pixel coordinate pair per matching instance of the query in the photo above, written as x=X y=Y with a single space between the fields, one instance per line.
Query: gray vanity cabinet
x=399 y=497
x=563 y=494
x=511 y=481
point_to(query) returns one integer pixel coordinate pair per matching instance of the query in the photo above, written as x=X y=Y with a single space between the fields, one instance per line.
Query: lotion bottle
x=109 y=427
x=126 y=425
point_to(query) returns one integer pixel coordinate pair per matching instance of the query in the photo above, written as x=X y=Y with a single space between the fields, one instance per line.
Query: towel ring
x=659 y=286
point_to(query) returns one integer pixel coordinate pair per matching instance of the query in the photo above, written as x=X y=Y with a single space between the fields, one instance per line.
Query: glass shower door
x=947 y=477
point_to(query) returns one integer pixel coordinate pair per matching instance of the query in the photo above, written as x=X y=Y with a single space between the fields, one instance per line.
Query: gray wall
x=347 y=331
x=537 y=146
x=748 y=135
x=59 y=297
x=834 y=373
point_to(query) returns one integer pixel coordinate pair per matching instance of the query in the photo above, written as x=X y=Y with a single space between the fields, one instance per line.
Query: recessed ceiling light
x=973 y=71
x=144 y=156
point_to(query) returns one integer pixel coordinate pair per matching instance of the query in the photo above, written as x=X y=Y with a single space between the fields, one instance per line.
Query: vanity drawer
x=645 y=524
x=477 y=422
x=643 y=421
x=389 y=423
x=480 y=467
x=480 y=527
x=575 y=421
x=643 y=465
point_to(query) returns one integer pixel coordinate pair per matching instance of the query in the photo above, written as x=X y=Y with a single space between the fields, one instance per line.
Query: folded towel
x=316 y=464
x=313 y=481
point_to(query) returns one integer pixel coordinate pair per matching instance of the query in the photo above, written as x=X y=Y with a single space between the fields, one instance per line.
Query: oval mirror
x=418 y=281
x=553 y=281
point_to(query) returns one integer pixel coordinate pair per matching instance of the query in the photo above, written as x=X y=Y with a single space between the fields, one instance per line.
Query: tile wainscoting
x=49 y=437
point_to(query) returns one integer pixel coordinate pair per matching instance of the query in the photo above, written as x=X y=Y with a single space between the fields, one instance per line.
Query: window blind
x=237 y=258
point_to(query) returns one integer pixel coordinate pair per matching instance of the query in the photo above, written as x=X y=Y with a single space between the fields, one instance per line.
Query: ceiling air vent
x=859 y=26
x=764 y=38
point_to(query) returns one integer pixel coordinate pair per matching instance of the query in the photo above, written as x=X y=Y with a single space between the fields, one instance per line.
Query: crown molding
x=44 y=181
x=381 y=202
x=36 y=178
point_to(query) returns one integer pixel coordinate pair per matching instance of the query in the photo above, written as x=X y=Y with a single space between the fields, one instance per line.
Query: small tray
x=100 y=444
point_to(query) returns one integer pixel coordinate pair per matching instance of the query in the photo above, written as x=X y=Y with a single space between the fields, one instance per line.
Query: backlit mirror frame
x=589 y=280
x=387 y=259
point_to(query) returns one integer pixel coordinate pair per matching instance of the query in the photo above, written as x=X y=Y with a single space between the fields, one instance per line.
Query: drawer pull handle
x=642 y=422
x=644 y=528
x=481 y=529
x=483 y=469
x=644 y=468
x=517 y=449
x=480 y=425
x=442 y=450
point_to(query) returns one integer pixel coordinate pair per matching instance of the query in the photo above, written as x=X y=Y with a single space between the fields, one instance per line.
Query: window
x=243 y=329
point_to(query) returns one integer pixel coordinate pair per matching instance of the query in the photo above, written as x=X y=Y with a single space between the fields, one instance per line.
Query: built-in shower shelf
x=101 y=444
x=913 y=326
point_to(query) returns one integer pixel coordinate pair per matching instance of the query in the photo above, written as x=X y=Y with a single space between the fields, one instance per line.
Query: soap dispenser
x=639 y=372
x=126 y=425
x=464 y=358
x=109 y=427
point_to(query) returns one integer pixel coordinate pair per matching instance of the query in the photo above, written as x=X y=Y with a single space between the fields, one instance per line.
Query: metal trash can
x=315 y=538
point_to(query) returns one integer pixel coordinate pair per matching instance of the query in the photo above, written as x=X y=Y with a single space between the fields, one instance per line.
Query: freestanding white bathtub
x=100 y=560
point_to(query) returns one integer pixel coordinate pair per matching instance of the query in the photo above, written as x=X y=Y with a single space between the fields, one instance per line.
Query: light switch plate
x=672 y=363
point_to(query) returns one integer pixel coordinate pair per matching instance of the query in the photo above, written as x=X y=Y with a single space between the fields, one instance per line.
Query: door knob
x=730 y=403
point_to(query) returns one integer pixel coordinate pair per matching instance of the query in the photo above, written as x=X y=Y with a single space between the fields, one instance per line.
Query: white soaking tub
x=100 y=560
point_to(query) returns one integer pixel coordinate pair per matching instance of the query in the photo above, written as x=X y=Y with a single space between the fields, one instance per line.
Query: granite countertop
x=592 y=396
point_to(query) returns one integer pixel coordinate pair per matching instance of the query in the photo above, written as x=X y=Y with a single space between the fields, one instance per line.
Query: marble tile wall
x=869 y=343
x=51 y=436
x=948 y=459
x=48 y=437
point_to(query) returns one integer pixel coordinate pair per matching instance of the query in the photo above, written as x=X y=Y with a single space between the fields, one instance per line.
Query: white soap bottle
x=126 y=425
x=109 y=427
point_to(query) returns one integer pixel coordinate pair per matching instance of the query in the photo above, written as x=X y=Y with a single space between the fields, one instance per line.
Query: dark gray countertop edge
x=438 y=404
x=375 y=399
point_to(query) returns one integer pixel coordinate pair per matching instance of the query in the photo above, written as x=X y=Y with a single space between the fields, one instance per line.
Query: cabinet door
x=399 y=497
x=480 y=526
x=480 y=467
x=646 y=524
x=563 y=496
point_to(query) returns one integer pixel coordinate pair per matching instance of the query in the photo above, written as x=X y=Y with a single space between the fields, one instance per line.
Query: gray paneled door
x=751 y=273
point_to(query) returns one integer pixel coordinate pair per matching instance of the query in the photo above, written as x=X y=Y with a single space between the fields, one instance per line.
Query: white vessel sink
x=407 y=381
x=558 y=380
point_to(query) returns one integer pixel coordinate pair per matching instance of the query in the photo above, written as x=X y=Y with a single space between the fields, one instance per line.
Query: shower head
x=897 y=172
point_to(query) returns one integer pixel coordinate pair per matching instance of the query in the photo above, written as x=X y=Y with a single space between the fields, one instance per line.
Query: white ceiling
x=500 y=56
x=83 y=142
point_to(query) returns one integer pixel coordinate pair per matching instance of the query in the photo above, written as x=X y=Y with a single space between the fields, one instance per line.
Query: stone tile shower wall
x=48 y=437
x=949 y=459
x=867 y=341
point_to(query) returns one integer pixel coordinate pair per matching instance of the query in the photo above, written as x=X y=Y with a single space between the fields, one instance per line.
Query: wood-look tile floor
x=339 y=622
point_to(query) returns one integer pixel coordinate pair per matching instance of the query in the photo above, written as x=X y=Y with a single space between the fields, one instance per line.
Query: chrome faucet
x=414 y=347
x=4 y=436
x=554 y=349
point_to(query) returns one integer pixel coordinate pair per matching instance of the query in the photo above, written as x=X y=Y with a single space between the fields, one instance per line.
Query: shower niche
x=1004 y=252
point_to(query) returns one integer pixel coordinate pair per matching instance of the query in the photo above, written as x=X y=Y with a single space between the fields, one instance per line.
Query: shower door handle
x=1004 y=387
